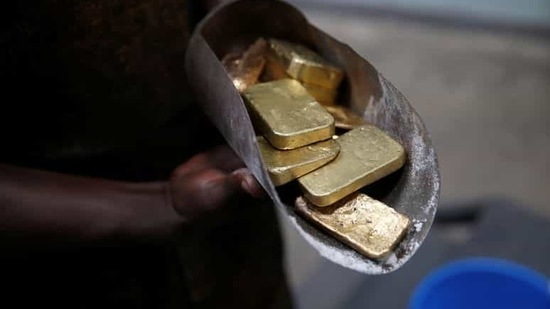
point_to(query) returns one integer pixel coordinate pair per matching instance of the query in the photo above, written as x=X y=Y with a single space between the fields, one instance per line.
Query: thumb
x=201 y=192
x=248 y=183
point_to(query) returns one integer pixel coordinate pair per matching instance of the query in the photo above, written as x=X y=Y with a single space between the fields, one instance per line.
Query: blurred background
x=478 y=73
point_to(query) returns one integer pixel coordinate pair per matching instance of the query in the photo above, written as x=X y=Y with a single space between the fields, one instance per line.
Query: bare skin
x=42 y=208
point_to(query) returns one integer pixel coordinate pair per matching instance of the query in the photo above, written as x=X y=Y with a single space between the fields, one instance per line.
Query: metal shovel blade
x=412 y=191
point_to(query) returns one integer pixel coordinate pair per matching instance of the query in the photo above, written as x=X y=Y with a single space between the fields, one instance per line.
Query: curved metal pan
x=413 y=191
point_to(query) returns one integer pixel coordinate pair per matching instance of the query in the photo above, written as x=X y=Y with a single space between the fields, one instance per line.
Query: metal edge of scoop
x=413 y=191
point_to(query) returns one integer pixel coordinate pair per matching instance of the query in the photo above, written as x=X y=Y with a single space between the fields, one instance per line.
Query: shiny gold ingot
x=323 y=95
x=305 y=65
x=363 y=223
x=245 y=70
x=273 y=71
x=345 y=118
x=287 y=115
x=284 y=166
x=366 y=155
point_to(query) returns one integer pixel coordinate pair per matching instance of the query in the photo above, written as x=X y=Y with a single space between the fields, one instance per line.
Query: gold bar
x=365 y=224
x=323 y=95
x=273 y=70
x=287 y=115
x=258 y=49
x=244 y=70
x=366 y=155
x=305 y=65
x=284 y=166
x=344 y=118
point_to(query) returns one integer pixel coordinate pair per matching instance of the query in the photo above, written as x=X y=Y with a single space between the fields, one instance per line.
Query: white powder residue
x=418 y=225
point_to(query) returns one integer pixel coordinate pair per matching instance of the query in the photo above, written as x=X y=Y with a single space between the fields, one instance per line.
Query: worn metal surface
x=344 y=118
x=414 y=191
x=305 y=65
x=367 y=154
x=286 y=165
x=323 y=95
x=287 y=115
x=363 y=223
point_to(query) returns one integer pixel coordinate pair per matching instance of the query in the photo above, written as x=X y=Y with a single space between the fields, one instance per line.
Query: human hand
x=205 y=182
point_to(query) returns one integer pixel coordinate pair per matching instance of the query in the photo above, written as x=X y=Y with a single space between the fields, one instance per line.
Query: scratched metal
x=412 y=191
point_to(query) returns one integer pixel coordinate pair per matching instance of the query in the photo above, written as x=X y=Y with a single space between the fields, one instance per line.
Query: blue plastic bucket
x=482 y=283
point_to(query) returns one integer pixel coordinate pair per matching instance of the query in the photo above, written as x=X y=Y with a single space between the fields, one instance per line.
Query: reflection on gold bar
x=305 y=65
x=287 y=115
x=284 y=166
x=244 y=70
x=363 y=223
x=366 y=155
x=344 y=118
x=323 y=95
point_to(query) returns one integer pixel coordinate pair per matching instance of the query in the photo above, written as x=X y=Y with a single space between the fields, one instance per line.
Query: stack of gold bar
x=293 y=109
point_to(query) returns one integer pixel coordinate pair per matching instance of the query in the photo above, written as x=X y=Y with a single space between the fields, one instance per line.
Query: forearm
x=39 y=207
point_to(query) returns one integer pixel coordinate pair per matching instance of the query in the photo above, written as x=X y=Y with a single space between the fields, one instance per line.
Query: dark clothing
x=81 y=76
x=97 y=88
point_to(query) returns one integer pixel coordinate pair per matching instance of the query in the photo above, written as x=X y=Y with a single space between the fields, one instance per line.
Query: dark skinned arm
x=44 y=208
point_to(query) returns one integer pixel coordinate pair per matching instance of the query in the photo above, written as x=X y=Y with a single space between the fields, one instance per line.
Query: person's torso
x=83 y=77
x=97 y=88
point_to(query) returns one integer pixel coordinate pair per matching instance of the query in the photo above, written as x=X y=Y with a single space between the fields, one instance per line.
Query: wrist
x=150 y=212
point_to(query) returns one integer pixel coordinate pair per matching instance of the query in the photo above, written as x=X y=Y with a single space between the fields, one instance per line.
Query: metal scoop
x=412 y=191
